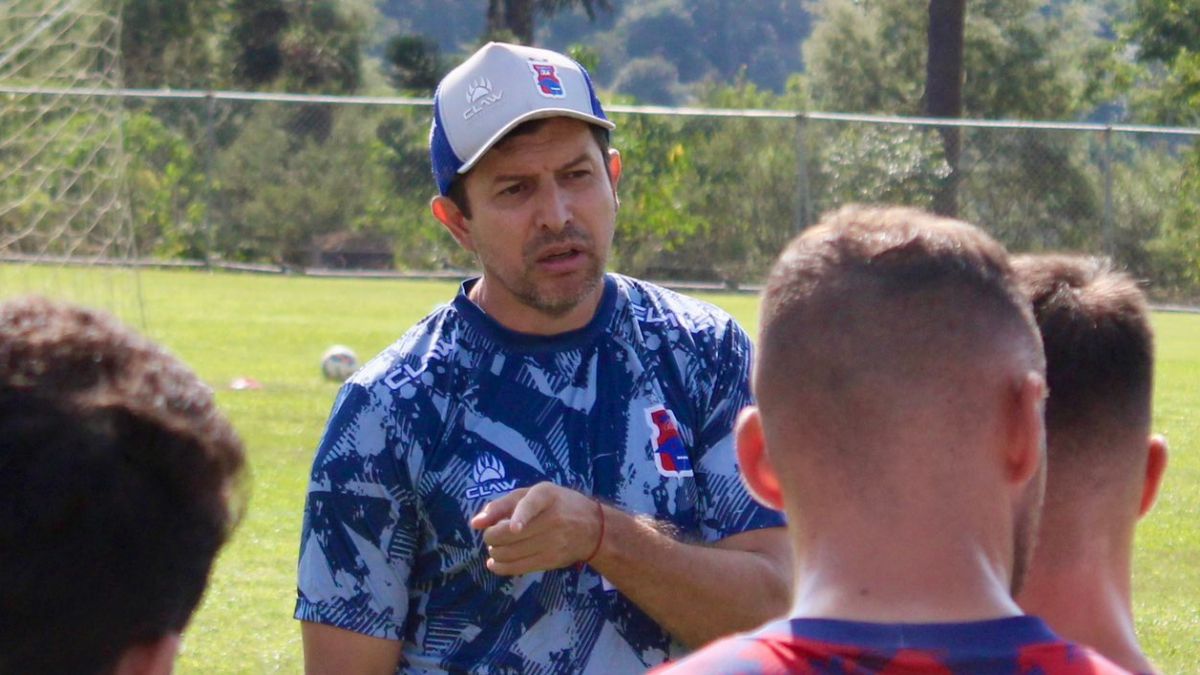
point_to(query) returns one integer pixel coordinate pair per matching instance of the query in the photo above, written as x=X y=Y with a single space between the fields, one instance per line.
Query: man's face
x=543 y=211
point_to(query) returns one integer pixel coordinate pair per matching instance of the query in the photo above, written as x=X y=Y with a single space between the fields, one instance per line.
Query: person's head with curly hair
x=119 y=482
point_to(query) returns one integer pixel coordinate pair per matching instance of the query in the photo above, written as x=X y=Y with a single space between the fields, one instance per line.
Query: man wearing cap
x=539 y=476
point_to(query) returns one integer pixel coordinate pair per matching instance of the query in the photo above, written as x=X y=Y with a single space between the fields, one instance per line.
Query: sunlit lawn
x=273 y=329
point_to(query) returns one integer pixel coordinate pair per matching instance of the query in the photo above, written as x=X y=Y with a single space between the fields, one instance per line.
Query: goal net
x=64 y=227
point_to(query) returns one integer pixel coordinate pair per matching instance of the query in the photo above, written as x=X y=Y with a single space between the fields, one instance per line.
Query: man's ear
x=614 y=170
x=1156 y=467
x=452 y=217
x=755 y=466
x=1026 y=451
x=149 y=658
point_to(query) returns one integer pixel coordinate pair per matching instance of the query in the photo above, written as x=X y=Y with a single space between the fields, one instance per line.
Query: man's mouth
x=560 y=255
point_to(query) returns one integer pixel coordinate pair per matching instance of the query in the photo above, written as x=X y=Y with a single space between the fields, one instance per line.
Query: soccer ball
x=338 y=363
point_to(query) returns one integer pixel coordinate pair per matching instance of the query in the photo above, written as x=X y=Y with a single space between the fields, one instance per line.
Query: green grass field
x=274 y=330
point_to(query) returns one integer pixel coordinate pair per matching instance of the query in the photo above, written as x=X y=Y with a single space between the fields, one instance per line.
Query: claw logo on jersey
x=547 y=80
x=670 y=455
x=489 y=477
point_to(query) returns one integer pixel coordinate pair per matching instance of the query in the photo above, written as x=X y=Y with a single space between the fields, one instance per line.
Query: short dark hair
x=458 y=191
x=1099 y=345
x=119 y=482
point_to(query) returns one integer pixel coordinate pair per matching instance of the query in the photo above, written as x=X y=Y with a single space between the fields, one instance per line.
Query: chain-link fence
x=344 y=183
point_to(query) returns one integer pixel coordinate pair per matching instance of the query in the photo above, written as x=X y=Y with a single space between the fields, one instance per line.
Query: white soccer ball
x=338 y=363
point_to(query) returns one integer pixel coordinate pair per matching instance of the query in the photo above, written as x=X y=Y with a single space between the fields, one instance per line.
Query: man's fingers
x=539 y=498
x=497 y=510
x=509 y=568
x=516 y=550
x=502 y=534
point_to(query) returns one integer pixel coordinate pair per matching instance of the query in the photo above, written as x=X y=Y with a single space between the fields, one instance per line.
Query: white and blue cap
x=498 y=88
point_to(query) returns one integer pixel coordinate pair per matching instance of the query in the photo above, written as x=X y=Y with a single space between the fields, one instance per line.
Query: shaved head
x=893 y=379
x=882 y=323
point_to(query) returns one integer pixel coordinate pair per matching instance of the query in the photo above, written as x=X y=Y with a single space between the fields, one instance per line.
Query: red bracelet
x=599 y=539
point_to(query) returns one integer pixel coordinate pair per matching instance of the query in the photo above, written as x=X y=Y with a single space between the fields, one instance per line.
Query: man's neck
x=522 y=318
x=1088 y=601
x=903 y=580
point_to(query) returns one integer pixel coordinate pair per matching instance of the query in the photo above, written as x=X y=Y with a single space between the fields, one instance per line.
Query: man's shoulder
x=1063 y=657
x=651 y=304
x=760 y=654
x=426 y=347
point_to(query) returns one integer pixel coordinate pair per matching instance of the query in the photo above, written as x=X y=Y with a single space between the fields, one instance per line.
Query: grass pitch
x=274 y=330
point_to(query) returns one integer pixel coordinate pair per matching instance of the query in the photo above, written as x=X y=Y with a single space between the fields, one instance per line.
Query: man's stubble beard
x=526 y=289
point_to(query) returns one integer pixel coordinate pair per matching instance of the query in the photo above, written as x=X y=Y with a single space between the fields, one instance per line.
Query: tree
x=518 y=17
x=168 y=43
x=299 y=45
x=414 y=62
x=1166 y=35
x=943 y=89
x=653 y=80
x=1020 y=60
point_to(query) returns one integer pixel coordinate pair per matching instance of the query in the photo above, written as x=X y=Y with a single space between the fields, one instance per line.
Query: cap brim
x=532 y=115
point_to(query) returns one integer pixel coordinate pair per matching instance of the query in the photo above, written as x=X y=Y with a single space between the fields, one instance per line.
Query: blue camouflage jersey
x=636 y=408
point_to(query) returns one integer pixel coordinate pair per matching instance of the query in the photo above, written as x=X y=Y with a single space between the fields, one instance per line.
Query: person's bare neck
x=1088 y=600
x=932 y=578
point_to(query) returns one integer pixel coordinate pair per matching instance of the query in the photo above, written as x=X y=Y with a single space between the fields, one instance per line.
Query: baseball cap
x=498 y=88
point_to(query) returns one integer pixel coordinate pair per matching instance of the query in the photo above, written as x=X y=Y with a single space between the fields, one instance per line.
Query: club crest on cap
x=547 y=80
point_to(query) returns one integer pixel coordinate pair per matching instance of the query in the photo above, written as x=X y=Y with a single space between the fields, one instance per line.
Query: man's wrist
x=599 y=536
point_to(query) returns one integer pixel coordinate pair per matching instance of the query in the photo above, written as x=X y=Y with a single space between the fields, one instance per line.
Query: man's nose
x=554 y=207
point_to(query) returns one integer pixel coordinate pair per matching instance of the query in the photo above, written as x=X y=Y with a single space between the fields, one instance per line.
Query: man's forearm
x=696 y=592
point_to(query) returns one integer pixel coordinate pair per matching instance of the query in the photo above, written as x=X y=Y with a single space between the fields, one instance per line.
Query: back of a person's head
x=1104 y=468
x=1099 y=347
x=119 y=482
x=883 y=327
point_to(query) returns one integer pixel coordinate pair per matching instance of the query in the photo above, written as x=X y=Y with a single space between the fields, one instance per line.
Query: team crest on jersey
x=490 y=477
x=547 y=80
x=670 y=455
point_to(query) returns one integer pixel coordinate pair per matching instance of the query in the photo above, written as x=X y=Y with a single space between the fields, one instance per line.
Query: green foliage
x=870 y=57
x=1033 y=190
x=657 y=176
x=707 y=40
x=1166 y=34
x=414 y=63
x=866 y=58
x=60 y=187
x=166 y=187
x=169 y=43
x=399 y=207
x=708 y=198
x=1019 y=61
x=650 y=80
x=1176 y=250
x=1163 y=29
x=277 y=191
x=879 y=165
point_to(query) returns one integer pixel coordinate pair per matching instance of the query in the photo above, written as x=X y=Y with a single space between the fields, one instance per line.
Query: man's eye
x=513 y=189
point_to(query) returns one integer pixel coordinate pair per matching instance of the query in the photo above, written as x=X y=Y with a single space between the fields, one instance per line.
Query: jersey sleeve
x=728 y=507
x=360 y=532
